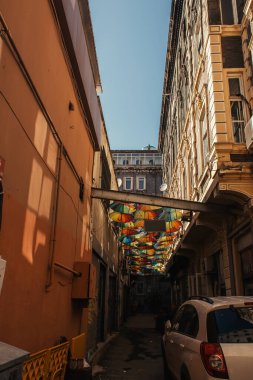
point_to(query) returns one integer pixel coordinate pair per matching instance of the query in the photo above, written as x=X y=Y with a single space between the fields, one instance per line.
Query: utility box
x=11 y=362
x=84 y=287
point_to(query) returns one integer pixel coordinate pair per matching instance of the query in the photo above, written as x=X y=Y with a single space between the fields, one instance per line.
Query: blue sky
x=131 y=42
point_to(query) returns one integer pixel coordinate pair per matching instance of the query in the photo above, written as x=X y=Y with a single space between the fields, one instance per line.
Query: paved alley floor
x=135 y=354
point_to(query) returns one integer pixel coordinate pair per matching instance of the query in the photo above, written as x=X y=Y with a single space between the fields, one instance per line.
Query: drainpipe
x=54 y=220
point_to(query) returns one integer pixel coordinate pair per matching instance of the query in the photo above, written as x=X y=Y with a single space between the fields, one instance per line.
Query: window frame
x=205 y=144
x=177 y=322
x=237 y=75
x=125 y=178
x=234 y=10
x=137 y=182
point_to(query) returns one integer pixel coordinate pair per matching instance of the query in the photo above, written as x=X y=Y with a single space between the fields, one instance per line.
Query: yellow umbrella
x=139 y=214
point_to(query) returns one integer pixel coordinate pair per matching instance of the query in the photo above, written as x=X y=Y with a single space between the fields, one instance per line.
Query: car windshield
x=231 y=325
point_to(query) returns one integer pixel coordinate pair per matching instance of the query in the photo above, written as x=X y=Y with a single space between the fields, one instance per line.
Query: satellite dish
x=119 y=180
x=163 y=187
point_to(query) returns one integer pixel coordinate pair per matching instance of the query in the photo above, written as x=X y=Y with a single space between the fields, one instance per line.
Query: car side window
x=176 y=319
x=187 y=322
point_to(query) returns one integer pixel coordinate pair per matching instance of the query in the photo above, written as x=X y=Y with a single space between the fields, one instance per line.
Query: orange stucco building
x=50 y=125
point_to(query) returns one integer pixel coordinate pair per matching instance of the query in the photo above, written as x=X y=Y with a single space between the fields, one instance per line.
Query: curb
x=102 y=348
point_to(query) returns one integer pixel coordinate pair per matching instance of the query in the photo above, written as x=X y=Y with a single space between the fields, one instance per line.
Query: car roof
x=210 y=303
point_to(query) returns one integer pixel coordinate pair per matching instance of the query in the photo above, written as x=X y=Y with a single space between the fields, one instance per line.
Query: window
x=140 y=183
x=232 y=52
x=186 y=321
x=151 y=162
x=125 y=162
x=237 y=111
x=138 y=162
x=231 y=325
x=226 y=12
x=128 y=183
x=204 y=137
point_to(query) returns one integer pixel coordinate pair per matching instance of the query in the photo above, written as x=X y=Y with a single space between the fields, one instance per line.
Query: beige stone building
x=205 y=137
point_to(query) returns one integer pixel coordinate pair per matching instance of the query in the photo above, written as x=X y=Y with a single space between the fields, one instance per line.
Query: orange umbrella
x=139 y=223
x=128 y=231
x=148 y=252
x=120 y=218
x=148 y=207
x=166 y=238
x=173 y=226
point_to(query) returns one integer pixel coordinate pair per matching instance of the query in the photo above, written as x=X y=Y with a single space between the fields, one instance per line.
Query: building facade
x=50 y=129
x=206 y=107
x=139 y=170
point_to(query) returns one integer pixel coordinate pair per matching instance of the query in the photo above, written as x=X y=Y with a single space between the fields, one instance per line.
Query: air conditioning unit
x=249 y=133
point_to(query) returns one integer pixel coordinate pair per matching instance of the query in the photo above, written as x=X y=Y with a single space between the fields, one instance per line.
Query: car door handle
x=181 y=345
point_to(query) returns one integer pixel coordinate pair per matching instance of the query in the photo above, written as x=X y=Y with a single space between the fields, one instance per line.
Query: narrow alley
x=134 y=354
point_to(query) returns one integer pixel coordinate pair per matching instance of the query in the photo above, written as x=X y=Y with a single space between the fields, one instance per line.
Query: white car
x=210 y=338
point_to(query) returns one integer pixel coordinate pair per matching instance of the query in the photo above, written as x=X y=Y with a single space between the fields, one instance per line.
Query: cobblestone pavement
x=135 y=354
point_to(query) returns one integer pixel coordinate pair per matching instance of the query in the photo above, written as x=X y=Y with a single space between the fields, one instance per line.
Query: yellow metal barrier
x=58 y=361
x=48 y=364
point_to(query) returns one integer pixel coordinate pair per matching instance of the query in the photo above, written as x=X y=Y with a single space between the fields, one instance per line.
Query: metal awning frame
x=122 y=196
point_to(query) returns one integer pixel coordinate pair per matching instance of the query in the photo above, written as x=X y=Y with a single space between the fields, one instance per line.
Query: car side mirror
x=167 y=326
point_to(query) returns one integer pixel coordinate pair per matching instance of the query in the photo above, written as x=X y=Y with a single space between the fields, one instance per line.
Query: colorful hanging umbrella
x=126 y=240
x=125 y=208
x=173 y=226
x=120 y=218
x=170 y=214
x=146 y=239
x=148 y=252
x=148 y=207
x=163 y=244
x=139 y=214
x=166 y=238
x=124 y=225
x=139 y=223
x=128 y=231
